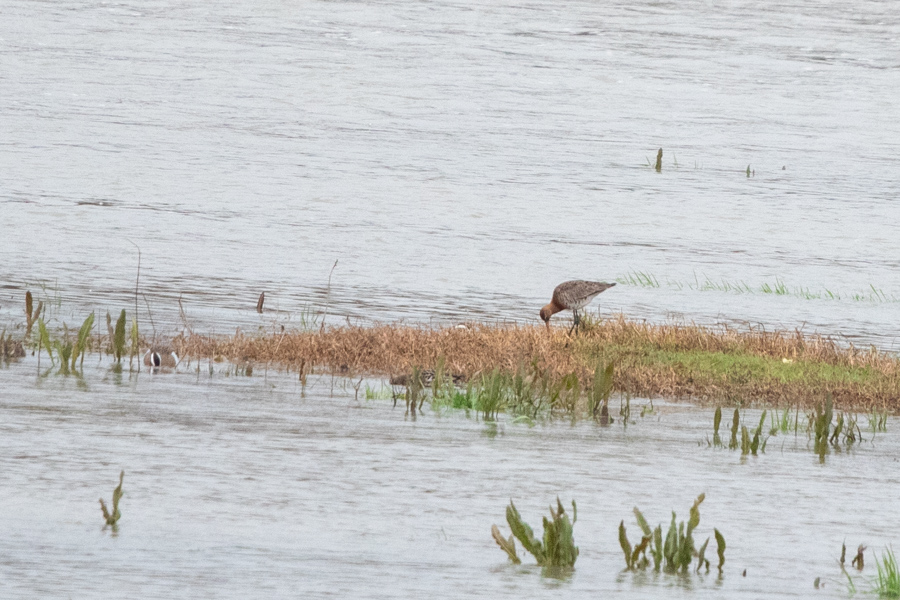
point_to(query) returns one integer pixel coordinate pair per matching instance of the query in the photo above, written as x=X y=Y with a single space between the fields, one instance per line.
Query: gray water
x=257 y=487
x=456 y=160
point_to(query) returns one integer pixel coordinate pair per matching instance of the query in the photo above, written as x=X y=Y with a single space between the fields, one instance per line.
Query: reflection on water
x=459 y=160
x=248 y=486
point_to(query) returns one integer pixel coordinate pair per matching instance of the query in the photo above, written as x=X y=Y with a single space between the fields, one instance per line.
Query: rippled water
x=256 y=487
x=457 y=160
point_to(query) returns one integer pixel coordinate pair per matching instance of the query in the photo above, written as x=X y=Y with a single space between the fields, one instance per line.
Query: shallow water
x=254 y=486
x=456 y=160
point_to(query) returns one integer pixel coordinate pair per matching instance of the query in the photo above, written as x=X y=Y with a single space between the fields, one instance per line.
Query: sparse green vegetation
x=830 y=432
x=639 y=278
x=598 y=400
x=117 y=336
x=887 y=581
x=674 y=554
x=782 y=422
x=112 y=518
x=68 y=352
x=827 y=430
x=778 y=288
x=529 y=393
x=878 y=421
x=750 y=443
x=558 y=548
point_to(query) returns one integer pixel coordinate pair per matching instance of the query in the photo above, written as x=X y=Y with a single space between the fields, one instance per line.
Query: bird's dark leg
x=575 y=321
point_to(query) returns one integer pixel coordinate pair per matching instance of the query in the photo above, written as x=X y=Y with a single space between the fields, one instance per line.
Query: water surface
x=457 y=160
x=246 y=487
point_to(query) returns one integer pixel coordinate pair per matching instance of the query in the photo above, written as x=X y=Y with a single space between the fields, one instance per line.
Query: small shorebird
x=573 y=295
x=158 y=356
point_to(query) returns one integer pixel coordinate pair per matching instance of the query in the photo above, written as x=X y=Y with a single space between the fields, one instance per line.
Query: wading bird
x=572 y=295
x=160 y=357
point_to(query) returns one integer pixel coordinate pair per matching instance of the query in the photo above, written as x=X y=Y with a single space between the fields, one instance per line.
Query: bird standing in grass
x=573 y=295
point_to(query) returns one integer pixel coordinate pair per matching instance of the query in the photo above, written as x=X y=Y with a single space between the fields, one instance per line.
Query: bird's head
x=546 y=313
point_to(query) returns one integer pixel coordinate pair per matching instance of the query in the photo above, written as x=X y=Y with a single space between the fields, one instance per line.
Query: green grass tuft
x=778 y=288
x=558 y=547
x=676 y=552
x=887 y=581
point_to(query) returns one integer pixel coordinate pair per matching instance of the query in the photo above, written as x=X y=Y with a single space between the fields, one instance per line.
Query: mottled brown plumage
x=573 y=295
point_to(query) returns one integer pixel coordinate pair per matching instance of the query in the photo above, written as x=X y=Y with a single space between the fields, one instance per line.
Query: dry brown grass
x=675 y=361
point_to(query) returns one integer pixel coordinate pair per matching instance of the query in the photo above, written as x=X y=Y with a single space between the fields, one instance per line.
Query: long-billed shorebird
x=573 y=295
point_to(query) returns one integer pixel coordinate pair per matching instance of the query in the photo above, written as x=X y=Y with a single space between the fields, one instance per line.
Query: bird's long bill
x=547 y=323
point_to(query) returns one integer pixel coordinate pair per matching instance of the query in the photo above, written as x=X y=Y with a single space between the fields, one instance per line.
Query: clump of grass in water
x=524 y=394
x=309 y=319
x=781 y=421
x=878 y=421
x=675 y=554
x=566 y=395
x=779 y=288
x=526 y=402
x=821 y=425
x=491 y=398
x=558 y=548
x=112 y=518
x=381 y=394
x=67 y=351
x=598 y=401
x=748 y=443
x=725 y=286
x=831 y=432
x=639 y=278
x=887 y=581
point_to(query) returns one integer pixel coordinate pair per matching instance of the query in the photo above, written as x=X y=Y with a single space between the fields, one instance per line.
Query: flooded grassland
x=439 y=167
x=241 y=485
